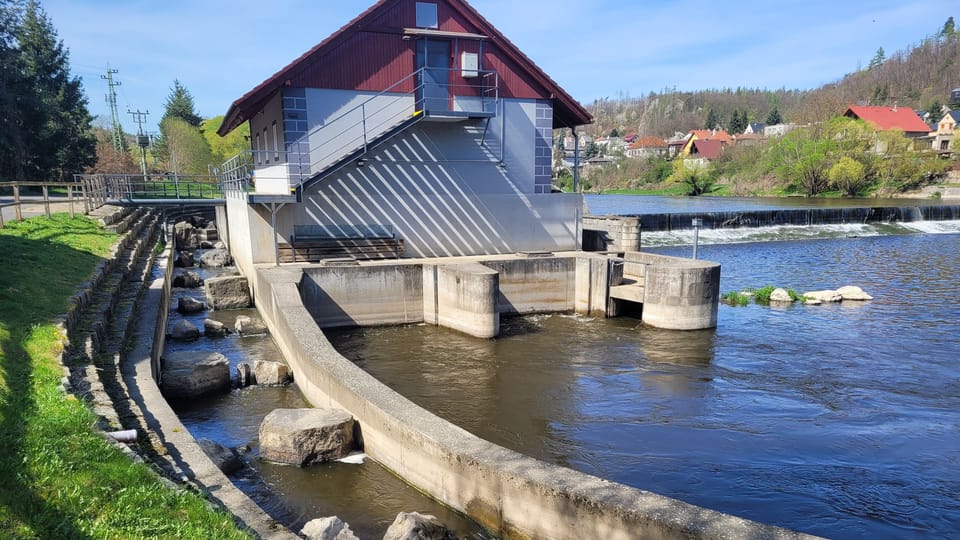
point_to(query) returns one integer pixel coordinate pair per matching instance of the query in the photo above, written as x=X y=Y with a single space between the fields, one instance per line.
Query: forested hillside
x=920 y=77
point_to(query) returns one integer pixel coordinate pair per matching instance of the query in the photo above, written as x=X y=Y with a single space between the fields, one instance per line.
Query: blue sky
x=220 y=49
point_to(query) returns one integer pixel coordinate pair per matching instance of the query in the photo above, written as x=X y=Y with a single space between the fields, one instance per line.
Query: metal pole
x=73 y=213
x=696 y=235
x=273 y=230
x=46 y=200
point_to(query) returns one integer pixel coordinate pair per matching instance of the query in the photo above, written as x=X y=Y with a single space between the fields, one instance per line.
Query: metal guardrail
x=353 y=132
x=132 y=188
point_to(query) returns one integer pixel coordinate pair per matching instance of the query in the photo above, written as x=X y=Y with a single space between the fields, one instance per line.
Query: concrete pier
x=466 y=299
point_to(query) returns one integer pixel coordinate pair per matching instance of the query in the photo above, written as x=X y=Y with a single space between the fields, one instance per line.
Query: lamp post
x=697 y=222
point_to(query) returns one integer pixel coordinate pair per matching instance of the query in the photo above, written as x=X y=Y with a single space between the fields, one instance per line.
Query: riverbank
x=61 y=478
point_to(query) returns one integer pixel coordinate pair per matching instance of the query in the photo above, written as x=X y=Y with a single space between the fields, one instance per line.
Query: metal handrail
x=370 y=120
x=134 y=187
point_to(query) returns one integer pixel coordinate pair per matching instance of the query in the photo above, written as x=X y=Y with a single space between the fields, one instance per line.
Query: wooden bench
x=312 y=243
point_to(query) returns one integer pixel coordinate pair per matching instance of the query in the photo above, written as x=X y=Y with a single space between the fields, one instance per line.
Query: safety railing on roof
x=427 y=92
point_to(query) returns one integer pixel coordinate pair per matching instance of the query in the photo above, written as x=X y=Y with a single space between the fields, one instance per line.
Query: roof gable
x=709 y=149
x=380 y=22
x=889 y=118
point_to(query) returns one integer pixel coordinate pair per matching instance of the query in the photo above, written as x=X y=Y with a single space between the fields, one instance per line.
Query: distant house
x=755 y=127
x=890 y=119
x=778 y=130
x=706 y=149
x=647 y=146
x=718 y=135
x=749 y=138
x=946 y=128
x=417 y=117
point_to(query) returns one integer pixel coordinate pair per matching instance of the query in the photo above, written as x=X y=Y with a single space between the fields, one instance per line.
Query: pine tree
x=774 y=118
x=877 y=59
x=713 y=120
x=56 y=137
x=11 y=86
x=948 y=29
x=179 y=104
x=738 y=122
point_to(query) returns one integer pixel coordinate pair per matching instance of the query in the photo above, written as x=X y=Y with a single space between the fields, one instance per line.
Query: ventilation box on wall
x=469 y=65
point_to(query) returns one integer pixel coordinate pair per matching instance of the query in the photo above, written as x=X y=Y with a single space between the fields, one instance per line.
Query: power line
x=118 y=142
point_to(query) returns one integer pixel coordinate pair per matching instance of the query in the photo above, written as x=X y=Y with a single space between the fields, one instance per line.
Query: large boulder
x=228 y=292
x=188 y=374
x=183 y=259
x=244 y=375
x=415 y=526
x=226 y=459
x=185 y=236
x=780 y=296
x=216 y=258
x=184 y=331
x=824 y=296
x=306 y=436
x=271 y=373
x=189 y=306
x=329 y=528
x=249 y=326
x=853 y=293
x=187 y=279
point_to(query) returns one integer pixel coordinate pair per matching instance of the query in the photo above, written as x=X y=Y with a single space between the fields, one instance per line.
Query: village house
x=418 y=121
x=891 y=119
x=717 y=135
x=778 y=130
x=755 y=128
x=944 y=134
x=648 y=146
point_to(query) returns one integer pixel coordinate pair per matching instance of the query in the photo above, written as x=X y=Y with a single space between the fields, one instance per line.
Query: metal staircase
x=347 y=138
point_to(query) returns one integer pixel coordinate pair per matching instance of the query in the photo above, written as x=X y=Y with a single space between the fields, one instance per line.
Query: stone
x=226 y=459
x=824 y=296
x=780 y=296
x=209 y=234
x=244 y=375
x=187 y=279
x=185 y=236
x=184 y=331
x=228 y=292
x=189 y=306
x=812 y=302
x=213 y=329
x=306 y=436
x=271 y=373
x=415 y=526
x=183 y=259
x=188 y=374
x=249 y=326
x=216 y=258
x=853 y=293
x=206 y=244
x=220 y=245
x=329 y=528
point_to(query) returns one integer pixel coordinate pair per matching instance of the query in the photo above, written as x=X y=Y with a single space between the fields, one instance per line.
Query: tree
x=948 y=29
x=179 y=104
x=802 y=159
x=592 y=150
x=224 y=148
x=848 y=175
x=774 y=118
x=738 y=122
x=11 y=86
x=877 y=59
x=614 y=132
x=188 y=152
x=935 y=110
x=55 y=137
x=713 y=120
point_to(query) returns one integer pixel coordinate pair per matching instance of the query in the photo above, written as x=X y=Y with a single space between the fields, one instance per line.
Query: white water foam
x=356 y=458
x=795 y=232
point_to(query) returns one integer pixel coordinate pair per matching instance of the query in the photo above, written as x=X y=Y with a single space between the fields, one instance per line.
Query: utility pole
x=143 y=141
x=112 y=101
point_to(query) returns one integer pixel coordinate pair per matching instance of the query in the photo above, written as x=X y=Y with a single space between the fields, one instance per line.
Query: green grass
x=59 y=478
x=735 y=298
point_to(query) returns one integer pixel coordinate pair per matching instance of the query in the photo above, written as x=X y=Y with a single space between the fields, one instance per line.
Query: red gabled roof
x=889 y=118
x=567 y=111
x=648 y=141
x=712 y=135
x=709 y=149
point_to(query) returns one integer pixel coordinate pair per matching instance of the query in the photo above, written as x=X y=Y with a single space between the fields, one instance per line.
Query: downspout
x=576 y=160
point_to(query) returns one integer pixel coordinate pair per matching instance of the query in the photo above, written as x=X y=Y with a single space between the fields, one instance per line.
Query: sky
x=220 y=49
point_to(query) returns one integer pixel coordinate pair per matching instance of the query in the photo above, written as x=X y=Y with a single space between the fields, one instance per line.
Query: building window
x=257 y=150
x=427 y=15
x=266 y=146
x=276 y=143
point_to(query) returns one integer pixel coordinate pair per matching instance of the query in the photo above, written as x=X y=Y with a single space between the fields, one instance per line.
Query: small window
x=257 y=150
x=276 y=143
x=266 y=146
x=427 y=15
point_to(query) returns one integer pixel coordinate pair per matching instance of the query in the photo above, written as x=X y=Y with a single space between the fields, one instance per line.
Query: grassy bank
x=60 y=479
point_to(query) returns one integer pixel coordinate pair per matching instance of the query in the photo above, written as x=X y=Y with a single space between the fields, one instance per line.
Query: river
x=838 y=420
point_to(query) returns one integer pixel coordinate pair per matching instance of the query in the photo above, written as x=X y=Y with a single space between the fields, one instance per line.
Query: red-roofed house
x=646 y=146
x=416 y=117
x=706 y=135
x=890 y=119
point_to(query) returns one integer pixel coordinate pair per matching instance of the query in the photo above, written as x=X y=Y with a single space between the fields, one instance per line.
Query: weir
x=799 y=217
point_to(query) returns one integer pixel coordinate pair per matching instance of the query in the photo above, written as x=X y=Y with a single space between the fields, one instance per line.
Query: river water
x=838 y=420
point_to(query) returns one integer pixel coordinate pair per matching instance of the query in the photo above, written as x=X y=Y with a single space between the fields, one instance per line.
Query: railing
x=19 y=197
x=103 y=188
x=355 y=131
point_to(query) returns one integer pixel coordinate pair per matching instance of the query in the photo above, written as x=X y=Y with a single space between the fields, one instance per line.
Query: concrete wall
x=513 y=495
x=536 y=285
x=679 y=294
x=610 y=233
x=466 y=299
x=364 y=296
